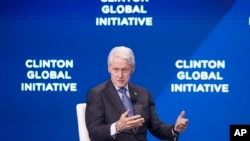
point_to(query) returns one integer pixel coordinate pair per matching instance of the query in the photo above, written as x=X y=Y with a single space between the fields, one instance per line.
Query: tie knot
x=122 y=90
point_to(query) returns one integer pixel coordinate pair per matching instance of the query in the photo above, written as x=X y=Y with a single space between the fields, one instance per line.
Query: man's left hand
x=181 y=123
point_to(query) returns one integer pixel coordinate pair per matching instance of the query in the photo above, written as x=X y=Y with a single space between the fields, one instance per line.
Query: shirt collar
x=117 y=88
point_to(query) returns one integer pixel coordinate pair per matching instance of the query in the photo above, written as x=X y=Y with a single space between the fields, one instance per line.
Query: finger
x=134 y=117
x=134 y=124
x=186 y=121
x=125 y=114
x=182 y=114
x=183 y=125
x=136 y=121
x=183 y=128
x=140 y=120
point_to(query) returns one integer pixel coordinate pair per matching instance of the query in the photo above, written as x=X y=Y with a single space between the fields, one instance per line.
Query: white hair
x=122 y=52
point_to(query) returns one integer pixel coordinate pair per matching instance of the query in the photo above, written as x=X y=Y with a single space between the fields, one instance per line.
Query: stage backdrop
x=192 y=55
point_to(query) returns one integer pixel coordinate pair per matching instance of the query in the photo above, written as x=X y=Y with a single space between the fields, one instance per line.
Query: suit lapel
x=134 y=98
x=114 y=97
x=116 y=100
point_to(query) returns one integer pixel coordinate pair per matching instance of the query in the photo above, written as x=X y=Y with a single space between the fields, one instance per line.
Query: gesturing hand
x=181 y=122
x=125 y=122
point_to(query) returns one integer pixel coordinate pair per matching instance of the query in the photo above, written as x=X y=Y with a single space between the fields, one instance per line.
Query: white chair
x=82 y=129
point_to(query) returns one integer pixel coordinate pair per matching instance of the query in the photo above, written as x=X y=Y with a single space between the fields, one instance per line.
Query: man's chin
x=121 y=85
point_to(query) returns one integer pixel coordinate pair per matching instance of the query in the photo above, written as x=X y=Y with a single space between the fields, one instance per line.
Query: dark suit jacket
x=104 y=107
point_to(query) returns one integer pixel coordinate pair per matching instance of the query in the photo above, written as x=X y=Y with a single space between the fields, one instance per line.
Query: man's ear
x=109 y=69
x=133 y=68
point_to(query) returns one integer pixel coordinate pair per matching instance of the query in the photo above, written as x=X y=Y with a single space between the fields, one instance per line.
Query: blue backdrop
x=67 y=30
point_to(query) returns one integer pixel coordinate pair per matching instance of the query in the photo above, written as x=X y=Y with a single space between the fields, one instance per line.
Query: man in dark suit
x=110 y=118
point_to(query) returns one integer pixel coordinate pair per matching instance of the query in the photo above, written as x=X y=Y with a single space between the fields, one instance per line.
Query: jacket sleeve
x=158 y=128
x=95 y=119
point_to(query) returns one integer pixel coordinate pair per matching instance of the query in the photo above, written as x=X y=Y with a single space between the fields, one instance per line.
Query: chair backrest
x=82 y=129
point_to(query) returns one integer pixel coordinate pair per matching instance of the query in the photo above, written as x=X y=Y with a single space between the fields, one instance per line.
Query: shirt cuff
x=174 y=133
x=113 y=130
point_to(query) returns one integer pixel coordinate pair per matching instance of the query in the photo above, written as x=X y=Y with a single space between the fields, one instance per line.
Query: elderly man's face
x=120 y=70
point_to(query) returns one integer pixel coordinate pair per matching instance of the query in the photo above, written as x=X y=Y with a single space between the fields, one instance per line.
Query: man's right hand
x=125 y=122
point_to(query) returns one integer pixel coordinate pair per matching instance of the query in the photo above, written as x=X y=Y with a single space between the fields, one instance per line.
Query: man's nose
x=120 y=73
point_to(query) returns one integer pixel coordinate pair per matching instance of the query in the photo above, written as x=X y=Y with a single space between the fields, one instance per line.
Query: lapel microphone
x=133 y=100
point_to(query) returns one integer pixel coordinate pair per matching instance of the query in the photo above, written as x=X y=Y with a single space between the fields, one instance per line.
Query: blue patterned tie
x=127 y=102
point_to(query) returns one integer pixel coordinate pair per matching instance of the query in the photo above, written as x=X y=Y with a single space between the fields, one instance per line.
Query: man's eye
x=125 y=70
